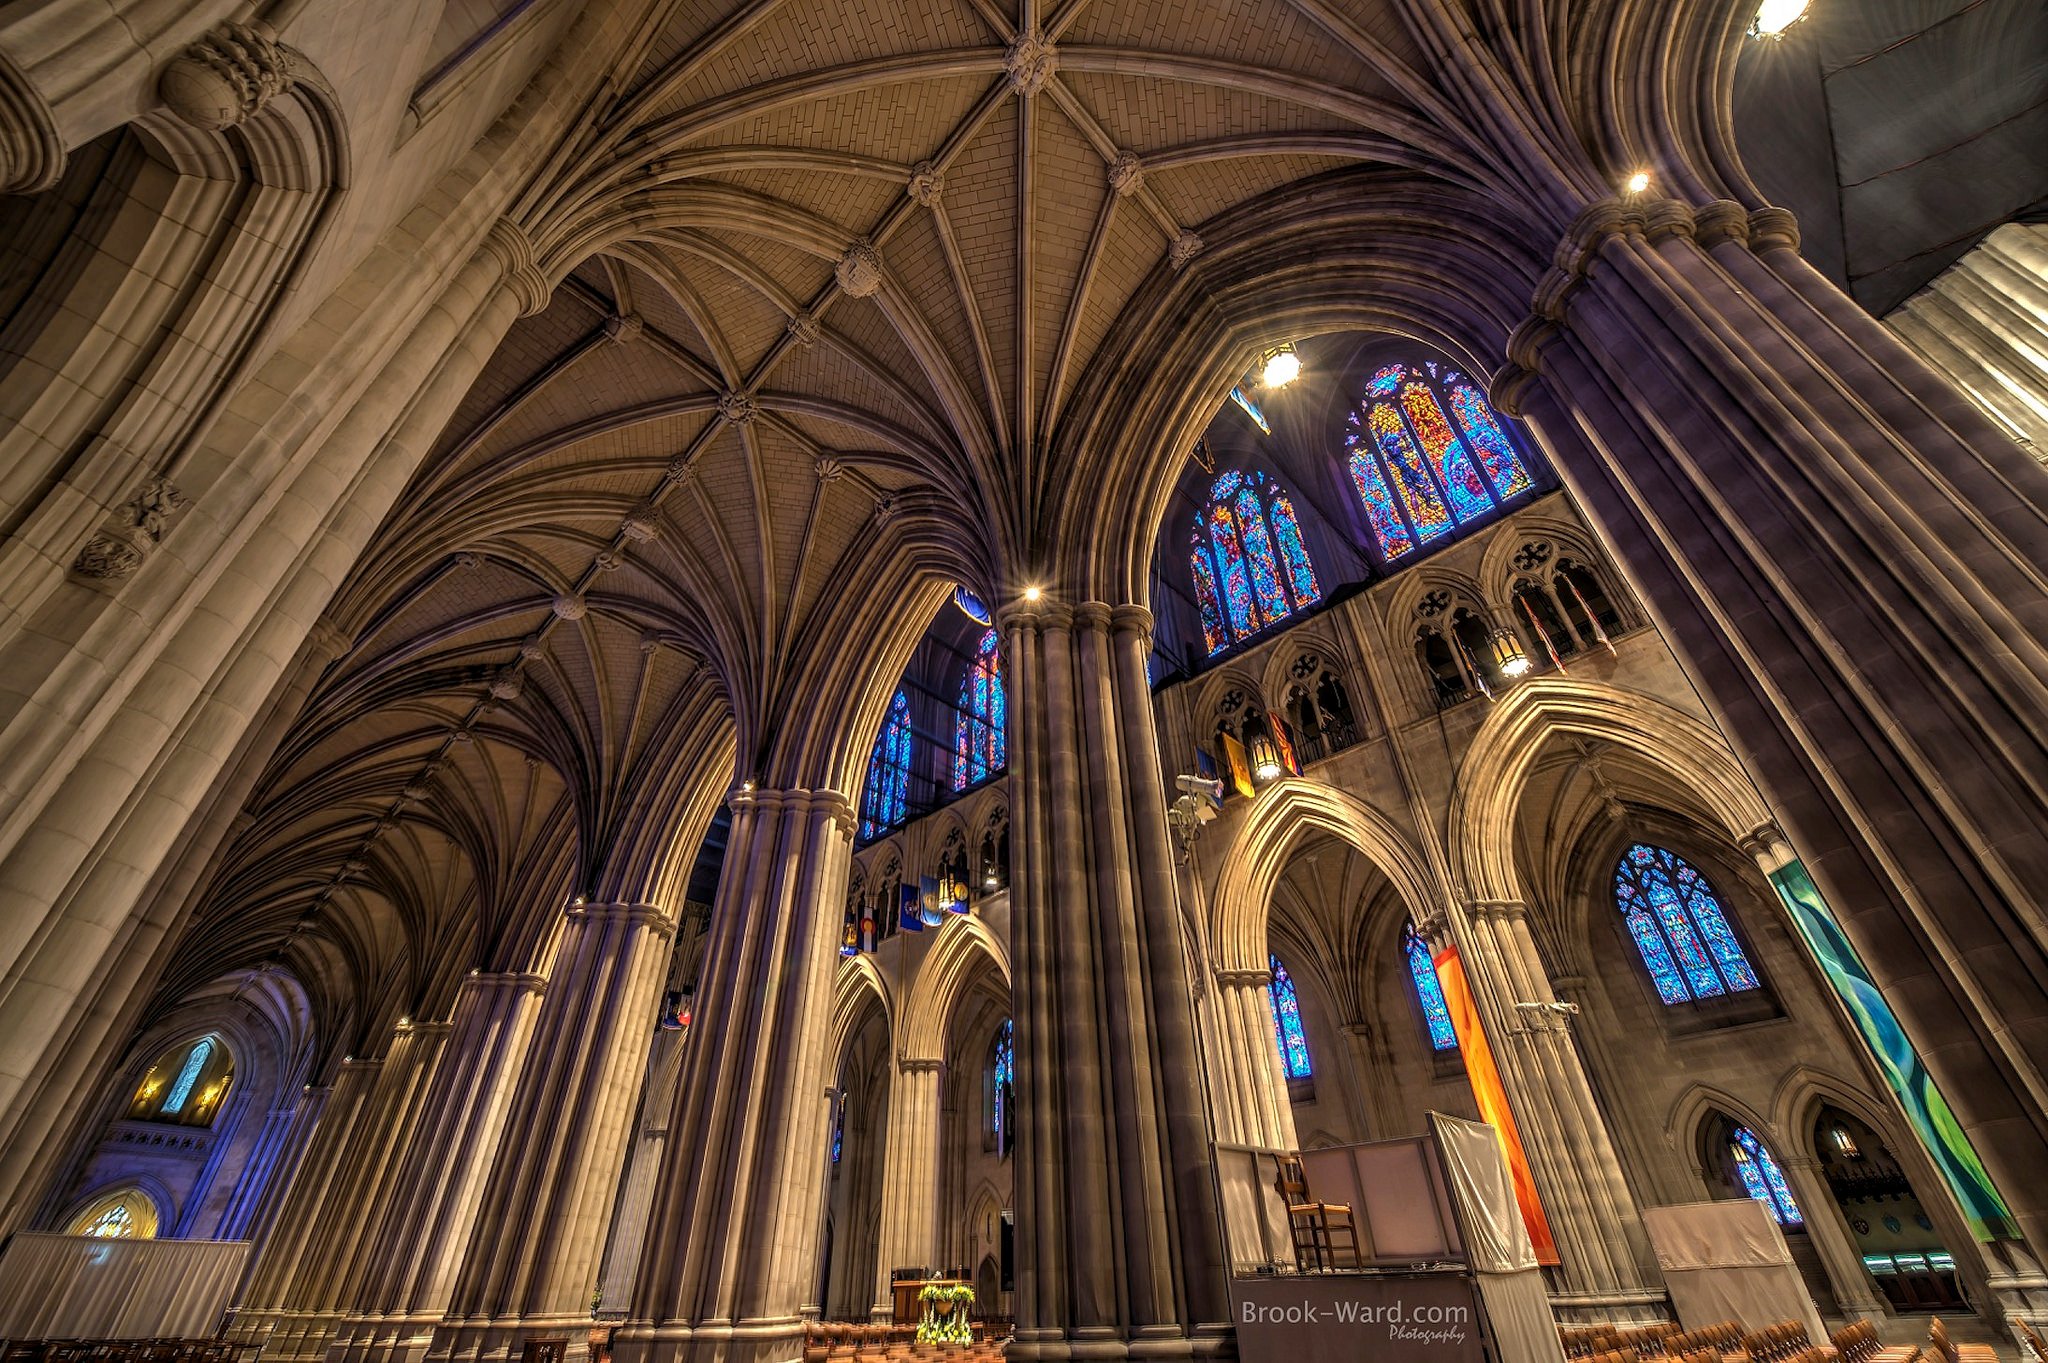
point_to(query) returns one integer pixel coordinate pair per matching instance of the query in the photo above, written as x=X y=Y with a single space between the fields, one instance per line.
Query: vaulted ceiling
x=830 y=281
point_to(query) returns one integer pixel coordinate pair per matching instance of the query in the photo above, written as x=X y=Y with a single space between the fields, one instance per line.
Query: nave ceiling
x=837 y=313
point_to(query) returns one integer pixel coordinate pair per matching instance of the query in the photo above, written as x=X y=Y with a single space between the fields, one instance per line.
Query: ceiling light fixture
x=1265 y=759
x=1281 y=366
x=1773 y=17
x=1032 y=593
x=1508 y=655
x=1638 y=182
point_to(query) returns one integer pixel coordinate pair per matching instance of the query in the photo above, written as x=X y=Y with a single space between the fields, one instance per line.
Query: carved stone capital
x=1719 y=221
x=1092 y=615
x=1773 y=229
x=519 y=265
x=1244 y=979
x=229 y=76
x=1131 y=618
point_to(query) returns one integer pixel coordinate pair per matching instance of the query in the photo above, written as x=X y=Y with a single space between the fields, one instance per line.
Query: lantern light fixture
x=1265 y=759
x=1507 y=653
x=1280 y=365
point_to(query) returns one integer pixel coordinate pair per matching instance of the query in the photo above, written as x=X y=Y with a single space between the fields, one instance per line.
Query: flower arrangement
x=945 y=1314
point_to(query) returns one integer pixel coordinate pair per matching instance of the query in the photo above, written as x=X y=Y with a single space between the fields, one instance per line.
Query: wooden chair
x=2037 y=1347
x=1946 y=1350
x=1317 y=1227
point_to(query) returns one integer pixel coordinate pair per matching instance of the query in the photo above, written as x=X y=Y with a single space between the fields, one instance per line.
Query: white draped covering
x=78 y=1287
x=1728 y=1261
x=1497 y=1243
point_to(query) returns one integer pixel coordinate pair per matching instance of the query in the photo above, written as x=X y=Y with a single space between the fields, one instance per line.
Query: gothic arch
x=1496 y=769
x=1281 y=815
x=964 y=946
x=857 y=987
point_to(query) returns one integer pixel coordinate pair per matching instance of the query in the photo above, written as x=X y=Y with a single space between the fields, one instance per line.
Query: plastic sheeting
x=1497 y=1243
x=1728 y=1261
x=78 y=1287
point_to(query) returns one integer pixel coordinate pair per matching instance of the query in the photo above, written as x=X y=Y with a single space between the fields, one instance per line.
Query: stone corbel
x=230 y=75
x=116 y=551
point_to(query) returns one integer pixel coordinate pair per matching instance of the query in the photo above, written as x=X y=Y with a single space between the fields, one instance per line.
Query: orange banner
x=1492 y=1098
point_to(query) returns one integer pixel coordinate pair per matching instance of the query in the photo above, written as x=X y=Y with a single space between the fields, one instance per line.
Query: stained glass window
x=1679 y=927
x=1287 y=1022
x=1248 y=560
x=839 y=1133
x=978 y=731
x=887 y=793
x=188 y=1075
x=1761 y=1177
x=1428 y=456
x=1003 y=1084
x=1430 y=990
x=123 y=1215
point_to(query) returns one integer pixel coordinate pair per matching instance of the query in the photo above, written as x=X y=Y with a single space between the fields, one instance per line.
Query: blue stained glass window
x=1428 y=457
x=1761 y=1177
x=978 y=734
x=1003 y=1074
x=1430 y=990
x=1679 y=927
x=1248 y=560
x=188 y=1075
x=885 y=798
x=1287 y=1022
x=839 y=1133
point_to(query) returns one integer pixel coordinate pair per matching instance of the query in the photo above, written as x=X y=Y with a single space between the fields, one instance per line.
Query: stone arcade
x=660 y=659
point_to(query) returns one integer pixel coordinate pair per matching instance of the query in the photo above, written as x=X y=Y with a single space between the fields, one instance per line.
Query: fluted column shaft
x=1830 y=1237
x=304 y=1307
x=532 y=1255
x=643 y=1169
x=1849 y=557
x=743 y=1178
x=418 y=1248
x=1603 y=1252
x=1119 y=1247
x=910 y=1176
x=1252 y=1106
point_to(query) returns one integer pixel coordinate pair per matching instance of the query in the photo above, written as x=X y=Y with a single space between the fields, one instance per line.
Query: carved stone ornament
x=1126 y=174
x=115 y=552
x=1532 y=555
x=803 y=329
x=229 y=76
x=1433 y=604
x=738 y=408
x=859 y=271
x=926 y=184
x=1030 y=62
x=571 y=607
x=1183 y=249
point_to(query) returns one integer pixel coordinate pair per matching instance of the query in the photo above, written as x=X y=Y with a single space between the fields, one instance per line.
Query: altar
x=912 y=1305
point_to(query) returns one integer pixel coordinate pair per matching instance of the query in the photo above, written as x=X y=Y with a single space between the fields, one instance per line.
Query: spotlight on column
x=1265 y=759
x=1638 y=182
x=1282 y=366
x=1773 y=17
x=1507 y=653
x=1033 y=593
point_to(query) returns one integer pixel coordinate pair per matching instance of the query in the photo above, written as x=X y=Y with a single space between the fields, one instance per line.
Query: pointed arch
x=1496 y=770
x=964 y=945
x=1283 y=814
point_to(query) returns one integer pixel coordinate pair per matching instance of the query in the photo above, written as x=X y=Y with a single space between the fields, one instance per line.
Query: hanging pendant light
x=1280 y=365
x=1265 y=759
x=1506 y=652
x=1773 y=17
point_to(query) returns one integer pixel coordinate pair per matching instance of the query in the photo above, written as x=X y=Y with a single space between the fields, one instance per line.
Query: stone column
x=1829 y=1236
x=532 y=1255
x=1983 y=323
x=636 y=1198
x=1847 y=556
x=743 y=1178
x=419 y=1246
x=331 y=1234
x=910 y=1177
x=1119 y=1248
x=1251 y=1104
x=1604 y=1267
